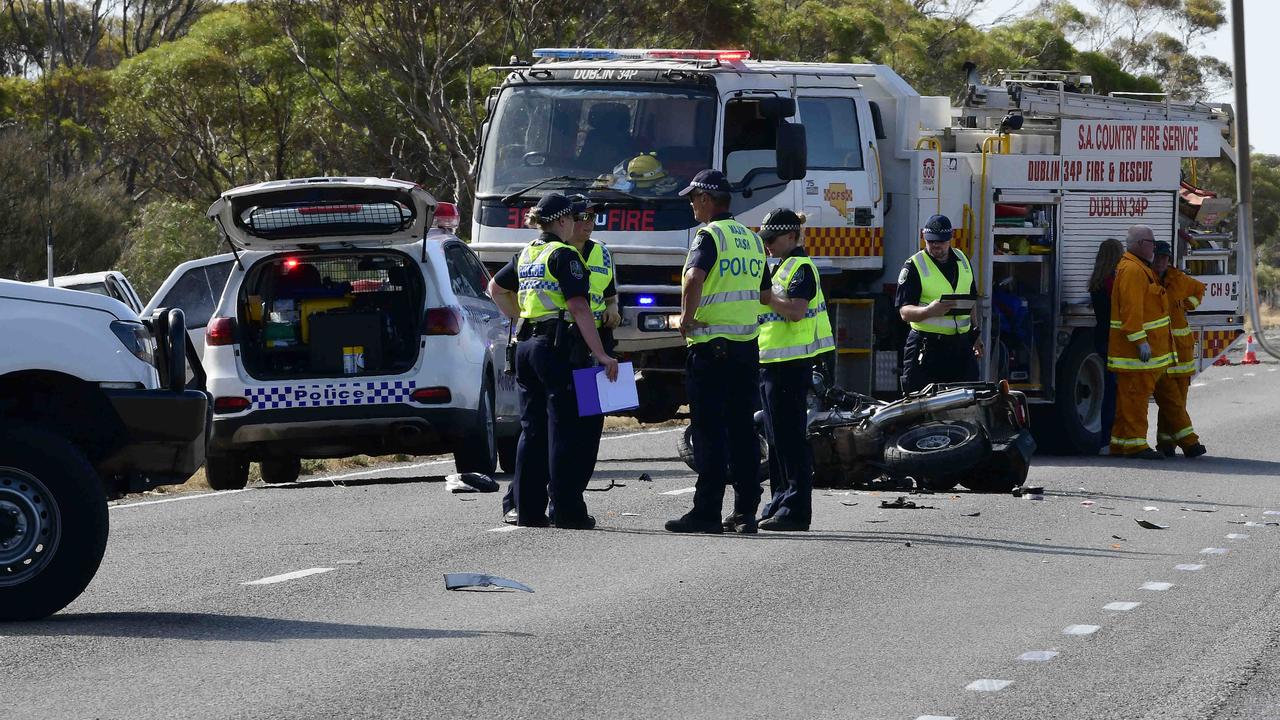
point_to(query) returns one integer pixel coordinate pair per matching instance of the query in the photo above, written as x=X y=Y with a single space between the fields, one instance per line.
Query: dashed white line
x=288 y=576
x=1038 y=655
x=935 y=717
x=1080 y=629
x=1214 y=551
x=1156 y=586
x=1271 y=512
x=988 y=685
x=192 y=496
x=640 y=434
x=1250 y=374
x=681 y=491
x=1198 y=384
x=505 y=528
x=1237 y=536
x=1189 y=567
x=1121 y=606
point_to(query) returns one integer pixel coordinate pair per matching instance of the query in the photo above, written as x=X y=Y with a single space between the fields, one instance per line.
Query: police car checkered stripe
x=333 y=394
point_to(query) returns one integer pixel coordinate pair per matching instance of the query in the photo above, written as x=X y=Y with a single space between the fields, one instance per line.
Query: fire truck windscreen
x=645 y=141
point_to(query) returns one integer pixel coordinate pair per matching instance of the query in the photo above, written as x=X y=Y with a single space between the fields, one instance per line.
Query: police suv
x=350 y=323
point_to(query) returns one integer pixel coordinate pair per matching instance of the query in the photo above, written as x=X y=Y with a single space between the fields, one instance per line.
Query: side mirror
x=777 y=108
x=793 y=152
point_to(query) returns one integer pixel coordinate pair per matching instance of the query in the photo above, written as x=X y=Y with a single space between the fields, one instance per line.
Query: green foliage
x=165 y=234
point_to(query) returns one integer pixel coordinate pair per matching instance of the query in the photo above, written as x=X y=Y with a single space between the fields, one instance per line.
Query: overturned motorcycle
x=971 y=434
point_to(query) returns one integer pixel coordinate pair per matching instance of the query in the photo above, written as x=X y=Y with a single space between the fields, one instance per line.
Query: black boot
x=687 y=523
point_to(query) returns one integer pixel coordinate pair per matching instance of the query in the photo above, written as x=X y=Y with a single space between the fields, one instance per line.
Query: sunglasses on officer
x=583 y=217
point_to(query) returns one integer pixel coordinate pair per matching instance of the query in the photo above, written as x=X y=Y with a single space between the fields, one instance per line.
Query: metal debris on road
x=1151 y=508
x=630 y=514
x=847 y=503
x=470 y=483
x=973 y=514
x=1151 y=525
x=453 y=581
x=1191 y=509
x=644 y=477
x=1117 y=537
x=902 y=503
x=612 y=484
x=1023 y=490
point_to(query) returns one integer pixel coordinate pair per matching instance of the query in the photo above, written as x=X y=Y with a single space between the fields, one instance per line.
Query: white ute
x=350 y=324
x=93 y=404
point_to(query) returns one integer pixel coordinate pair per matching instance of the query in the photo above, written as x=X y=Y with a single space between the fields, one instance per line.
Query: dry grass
x=1270 y=317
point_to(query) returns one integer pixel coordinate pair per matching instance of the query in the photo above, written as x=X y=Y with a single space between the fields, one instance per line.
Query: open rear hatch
x=331 y=314
x=324 y=213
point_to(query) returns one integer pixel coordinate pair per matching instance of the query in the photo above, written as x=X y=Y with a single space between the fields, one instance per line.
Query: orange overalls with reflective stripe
x=1138 y=314
x=1173 y=426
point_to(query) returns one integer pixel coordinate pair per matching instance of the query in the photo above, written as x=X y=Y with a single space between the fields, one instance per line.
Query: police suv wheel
x=936 y=453
x=53 y=524
x=226 y=472
x=477 y=450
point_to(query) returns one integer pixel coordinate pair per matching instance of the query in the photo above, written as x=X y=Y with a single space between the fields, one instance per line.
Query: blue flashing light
x=585 y=53
x=645 y=300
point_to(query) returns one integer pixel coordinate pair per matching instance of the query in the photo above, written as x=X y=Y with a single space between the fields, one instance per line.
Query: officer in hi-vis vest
x=724 y=282
x=794 y=332
x=942 y=346
x=547 y=286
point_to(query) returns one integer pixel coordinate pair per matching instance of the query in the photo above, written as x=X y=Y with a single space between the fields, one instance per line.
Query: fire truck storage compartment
x=1022 y=293
x=329 y=315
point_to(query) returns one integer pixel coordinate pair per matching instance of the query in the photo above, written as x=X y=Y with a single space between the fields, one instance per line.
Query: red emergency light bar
x=639 y=54
x=721 y=55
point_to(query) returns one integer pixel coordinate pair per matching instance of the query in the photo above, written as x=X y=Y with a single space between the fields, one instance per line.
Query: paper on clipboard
x=598 y=396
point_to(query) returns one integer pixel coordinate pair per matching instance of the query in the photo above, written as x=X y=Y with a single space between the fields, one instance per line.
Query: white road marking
x=1198 y=384
x=1225 y=379
x=935 y=717
x=373 y=471
x=1237 y=536
x=505 y=528
x=1214 y=551
x=192 y=496
x=1271 y=512
x=288 y=576
x=1250 y=374
x=681 y=491
x=1157 y=586
x=1121 y=606
x=1271 y=369
x=1080 y=629
x=1189 y=567
x=988 y=685
x=1038 y=655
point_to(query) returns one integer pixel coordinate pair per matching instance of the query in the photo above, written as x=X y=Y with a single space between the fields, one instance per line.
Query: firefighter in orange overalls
x=1140 y=347
x=1184 y=293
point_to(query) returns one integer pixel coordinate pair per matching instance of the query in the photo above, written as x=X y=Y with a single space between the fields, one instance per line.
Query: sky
x=1263 y=59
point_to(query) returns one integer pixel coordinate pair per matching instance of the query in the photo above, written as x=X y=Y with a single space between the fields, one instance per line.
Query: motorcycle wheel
x=936 y=453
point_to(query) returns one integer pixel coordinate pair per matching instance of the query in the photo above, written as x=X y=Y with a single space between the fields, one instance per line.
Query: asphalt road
x=1010 y=613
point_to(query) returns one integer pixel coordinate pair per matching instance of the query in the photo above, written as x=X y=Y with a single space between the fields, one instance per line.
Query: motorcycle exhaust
x=915 y=407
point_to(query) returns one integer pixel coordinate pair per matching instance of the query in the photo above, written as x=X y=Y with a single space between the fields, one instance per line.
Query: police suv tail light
x=230 y=404
x=442 y=321
x=447 y=217
x=432 y=395
x=221 y=331
x=136 y=339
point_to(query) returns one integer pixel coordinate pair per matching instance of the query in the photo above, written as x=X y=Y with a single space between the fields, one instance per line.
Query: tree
x=165 y=234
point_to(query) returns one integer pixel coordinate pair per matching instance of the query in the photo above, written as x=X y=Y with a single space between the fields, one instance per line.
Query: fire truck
x=1033 y=168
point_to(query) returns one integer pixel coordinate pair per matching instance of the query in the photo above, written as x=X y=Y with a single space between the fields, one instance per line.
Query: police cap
x=708 y=181
x=1164 y=248
x=937 y=229
x=551 y=207
x=780 y=222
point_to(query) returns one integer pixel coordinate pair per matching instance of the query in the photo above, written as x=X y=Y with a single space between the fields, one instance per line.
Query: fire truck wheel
x=1072 y=425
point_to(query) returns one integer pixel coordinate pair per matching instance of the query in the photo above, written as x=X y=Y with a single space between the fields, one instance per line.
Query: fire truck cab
x=1033 y=171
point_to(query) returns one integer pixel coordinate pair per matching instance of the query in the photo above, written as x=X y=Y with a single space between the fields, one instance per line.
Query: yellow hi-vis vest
x=600 y=263
x=933 y=285
x=540 y=295
x=730 y=303
x=782 y=340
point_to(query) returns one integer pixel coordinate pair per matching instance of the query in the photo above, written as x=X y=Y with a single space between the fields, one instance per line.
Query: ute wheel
x=478 y=449
x=226 y=472
x=1073 y=424
x=507 y=447
x=684 y=446
x=53 y=524
x=279 y=472
x=936 y=453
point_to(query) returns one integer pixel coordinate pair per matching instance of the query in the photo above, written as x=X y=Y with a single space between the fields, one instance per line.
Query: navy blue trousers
x=784 y=390
x=551 y=458
x=720 y=378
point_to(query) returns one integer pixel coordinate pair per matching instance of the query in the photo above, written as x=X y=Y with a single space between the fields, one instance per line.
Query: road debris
x=902 y=503
x=470 y=483
x=612 y=484
x=453 y=581
x=973 y=514
x=1025 y=490
x=1087 y=503
x=847 y=503
x=1151 y=508
x=644 y=477
x=1117 y=537
x=630 y=514
x=1206 y=510
x=1151 y=525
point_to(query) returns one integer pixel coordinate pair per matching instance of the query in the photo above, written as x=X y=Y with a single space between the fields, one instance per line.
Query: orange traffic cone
x=1222 y=357
x=1250 y=357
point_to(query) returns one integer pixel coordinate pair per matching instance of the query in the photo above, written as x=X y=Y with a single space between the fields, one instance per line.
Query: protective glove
x=1144 y=351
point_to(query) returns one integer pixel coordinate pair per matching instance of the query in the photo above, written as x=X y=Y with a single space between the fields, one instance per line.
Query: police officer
x=547 y=286
x=724 y=283
x=794 y=331
x=941 y=347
